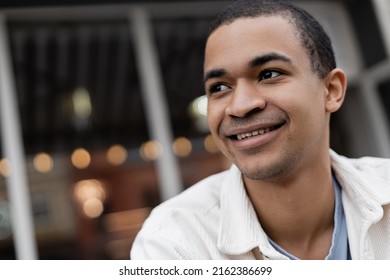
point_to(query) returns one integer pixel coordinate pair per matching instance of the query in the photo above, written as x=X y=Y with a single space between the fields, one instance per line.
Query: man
x=272 y=84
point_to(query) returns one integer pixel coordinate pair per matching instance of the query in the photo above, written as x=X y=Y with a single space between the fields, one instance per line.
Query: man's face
x=266 y=107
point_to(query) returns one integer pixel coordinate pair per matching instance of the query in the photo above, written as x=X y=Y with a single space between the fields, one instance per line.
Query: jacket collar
x=239 y=229
x=362 y=183
x=365 y=192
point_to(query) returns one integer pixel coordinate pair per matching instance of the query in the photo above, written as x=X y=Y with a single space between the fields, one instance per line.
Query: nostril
x=252 y=112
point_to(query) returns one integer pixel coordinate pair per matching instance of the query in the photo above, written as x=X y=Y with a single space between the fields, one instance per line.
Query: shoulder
x=198 y=198
x=369 y=166
x=191 y=215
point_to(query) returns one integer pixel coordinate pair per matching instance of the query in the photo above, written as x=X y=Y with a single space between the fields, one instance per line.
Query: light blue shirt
x=340 y=247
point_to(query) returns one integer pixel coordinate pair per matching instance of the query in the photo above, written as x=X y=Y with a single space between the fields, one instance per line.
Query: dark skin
x=269 y=114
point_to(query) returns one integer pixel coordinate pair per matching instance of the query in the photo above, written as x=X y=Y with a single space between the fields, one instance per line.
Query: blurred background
x=103 y=113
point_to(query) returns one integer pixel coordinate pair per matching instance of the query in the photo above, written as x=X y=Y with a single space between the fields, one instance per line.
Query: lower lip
x=255 y=141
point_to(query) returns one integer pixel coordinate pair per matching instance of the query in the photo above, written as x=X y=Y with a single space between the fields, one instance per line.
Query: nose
x=245 y=100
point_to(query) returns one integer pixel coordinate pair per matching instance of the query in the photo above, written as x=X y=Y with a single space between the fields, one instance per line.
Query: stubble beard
x=276 y=169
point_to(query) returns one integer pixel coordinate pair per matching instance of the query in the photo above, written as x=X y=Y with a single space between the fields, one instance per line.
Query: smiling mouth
x=255 y=133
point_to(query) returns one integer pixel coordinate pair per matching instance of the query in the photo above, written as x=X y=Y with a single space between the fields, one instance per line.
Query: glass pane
x=83 y=125
x=7 y=251
x=384 y=94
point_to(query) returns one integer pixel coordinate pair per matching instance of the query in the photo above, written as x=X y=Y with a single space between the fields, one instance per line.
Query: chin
x=270 y=170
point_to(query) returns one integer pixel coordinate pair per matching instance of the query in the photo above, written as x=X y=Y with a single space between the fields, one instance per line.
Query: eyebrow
x=263 y=59
x=214 y=73
x=254 y=63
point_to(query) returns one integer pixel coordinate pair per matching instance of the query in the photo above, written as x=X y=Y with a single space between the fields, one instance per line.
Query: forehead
x=245 y=38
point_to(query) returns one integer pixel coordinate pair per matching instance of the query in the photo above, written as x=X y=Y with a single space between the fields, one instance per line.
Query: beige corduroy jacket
x=215 y=219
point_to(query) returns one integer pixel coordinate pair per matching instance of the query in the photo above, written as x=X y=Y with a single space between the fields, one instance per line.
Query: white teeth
x=254 y=133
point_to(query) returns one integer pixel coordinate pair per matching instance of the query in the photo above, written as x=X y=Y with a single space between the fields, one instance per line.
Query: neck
x=298 y=212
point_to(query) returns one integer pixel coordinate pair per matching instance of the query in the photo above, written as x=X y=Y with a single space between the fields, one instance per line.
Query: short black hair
x=313 y=36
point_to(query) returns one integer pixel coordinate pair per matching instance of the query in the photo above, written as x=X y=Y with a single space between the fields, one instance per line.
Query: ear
x=336 y=85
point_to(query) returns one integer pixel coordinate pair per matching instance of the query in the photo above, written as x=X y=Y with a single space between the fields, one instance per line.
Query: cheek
x=215 y=114
x=215 y=119
x=304 y=104
x=308 y=116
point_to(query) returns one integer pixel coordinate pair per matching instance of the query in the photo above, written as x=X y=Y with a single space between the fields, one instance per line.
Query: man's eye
x=217 y=88
x=269 y=74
